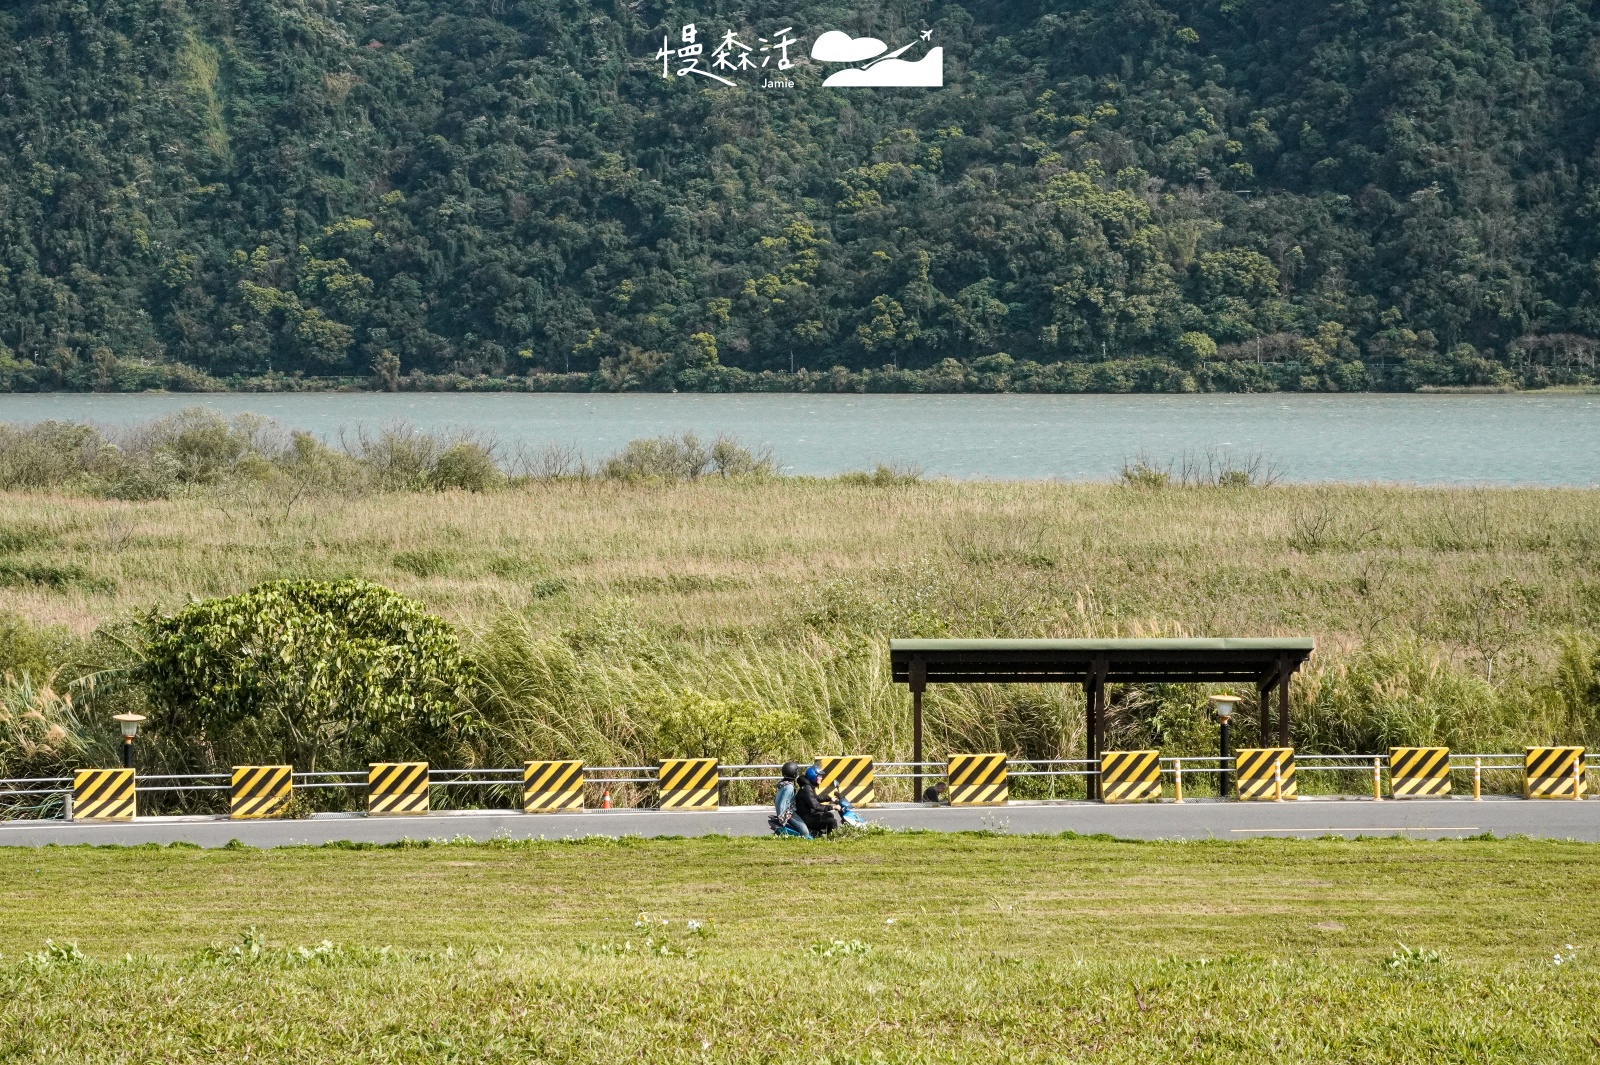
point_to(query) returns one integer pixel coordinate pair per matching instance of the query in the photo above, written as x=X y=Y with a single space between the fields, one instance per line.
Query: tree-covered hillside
x=1105 y=194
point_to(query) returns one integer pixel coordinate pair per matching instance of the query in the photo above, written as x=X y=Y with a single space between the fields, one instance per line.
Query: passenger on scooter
x=784 y=814
x=820 y=817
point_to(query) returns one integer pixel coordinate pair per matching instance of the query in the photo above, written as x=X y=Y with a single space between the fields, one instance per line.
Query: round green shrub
x=315 y=673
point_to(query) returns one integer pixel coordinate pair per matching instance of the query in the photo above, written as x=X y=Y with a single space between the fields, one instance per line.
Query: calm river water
x=1452 y=439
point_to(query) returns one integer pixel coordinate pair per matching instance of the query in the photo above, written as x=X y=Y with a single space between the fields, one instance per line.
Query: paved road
x=1421 y=818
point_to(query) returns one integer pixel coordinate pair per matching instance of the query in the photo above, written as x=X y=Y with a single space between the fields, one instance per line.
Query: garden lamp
x=1224 y=707
x=130 y=729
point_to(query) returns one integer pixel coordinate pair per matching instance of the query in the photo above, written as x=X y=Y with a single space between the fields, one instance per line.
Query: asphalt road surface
x=1203 y=819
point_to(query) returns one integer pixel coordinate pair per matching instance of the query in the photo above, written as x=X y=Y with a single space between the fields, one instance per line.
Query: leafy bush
x=47 y=454
x=467 y=466
x=1144 y=473
x=397 y=458
x=664 y=458
x=27 y=650
x=884 y=475
x=310 y=672
x=690 y=724
x=685 y=458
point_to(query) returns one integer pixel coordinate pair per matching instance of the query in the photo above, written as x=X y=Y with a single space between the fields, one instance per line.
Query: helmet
x=812 y=776
x=790 y=771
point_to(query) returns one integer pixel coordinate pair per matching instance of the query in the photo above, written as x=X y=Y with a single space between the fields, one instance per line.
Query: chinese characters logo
x=732 y=55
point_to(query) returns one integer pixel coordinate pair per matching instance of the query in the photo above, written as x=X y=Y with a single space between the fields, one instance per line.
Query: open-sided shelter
x=1267 y=663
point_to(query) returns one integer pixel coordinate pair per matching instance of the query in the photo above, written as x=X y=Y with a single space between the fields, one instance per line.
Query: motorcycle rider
x=783 y=804
x=820 y=817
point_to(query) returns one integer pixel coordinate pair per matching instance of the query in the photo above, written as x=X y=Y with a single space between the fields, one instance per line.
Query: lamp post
x=130 y=729
x=1224 y=707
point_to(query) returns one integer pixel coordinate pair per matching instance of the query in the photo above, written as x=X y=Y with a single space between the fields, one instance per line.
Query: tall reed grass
x=682 y=587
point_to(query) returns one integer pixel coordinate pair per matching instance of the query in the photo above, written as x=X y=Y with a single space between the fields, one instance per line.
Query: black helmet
x=791 y=771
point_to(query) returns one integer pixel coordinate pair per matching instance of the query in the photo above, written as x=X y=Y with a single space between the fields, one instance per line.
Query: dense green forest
x=1105 y=194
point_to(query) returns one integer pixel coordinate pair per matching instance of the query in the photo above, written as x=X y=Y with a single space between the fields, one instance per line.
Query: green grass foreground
x=904 y=947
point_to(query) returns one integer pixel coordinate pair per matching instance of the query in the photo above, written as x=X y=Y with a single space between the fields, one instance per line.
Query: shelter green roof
x=1262 y=661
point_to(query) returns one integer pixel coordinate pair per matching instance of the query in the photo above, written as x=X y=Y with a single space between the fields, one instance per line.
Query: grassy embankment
x=896 y=948
x=1440 y=613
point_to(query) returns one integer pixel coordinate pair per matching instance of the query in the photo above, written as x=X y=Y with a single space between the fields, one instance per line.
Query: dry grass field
x=1441 y=615
x=1489 y=575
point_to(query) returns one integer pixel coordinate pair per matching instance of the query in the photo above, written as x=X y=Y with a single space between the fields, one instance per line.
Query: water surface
x=1428 y=439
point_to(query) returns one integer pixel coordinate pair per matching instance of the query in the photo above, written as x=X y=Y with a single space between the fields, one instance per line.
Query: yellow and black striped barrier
x=1553 y=773
x=1130 y=776
x=397 y=788
x=1265 y=773
x=688 y=783
x=851 y=773
x=260 y=791
x=103 y=795
x=550 y=786
x=977 y=779
x=1419 y=772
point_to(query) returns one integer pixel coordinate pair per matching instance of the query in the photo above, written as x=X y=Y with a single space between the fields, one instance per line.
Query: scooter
x=847 y=816
x=847 y=812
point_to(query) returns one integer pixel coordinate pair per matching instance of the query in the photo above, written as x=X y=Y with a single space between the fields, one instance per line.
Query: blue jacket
x=783 y=804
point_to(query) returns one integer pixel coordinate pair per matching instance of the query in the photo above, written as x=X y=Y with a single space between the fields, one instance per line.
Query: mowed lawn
x=894 y=947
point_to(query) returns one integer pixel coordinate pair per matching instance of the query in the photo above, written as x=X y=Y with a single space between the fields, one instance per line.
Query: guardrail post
x=553 y=785
x=977 y=779
x=104 y=795
x=397 y=788
x=688 y=784
x=1547 y=772
x=1477 y=780
x=852 y=775
x=1130 y=776
x=259 y=791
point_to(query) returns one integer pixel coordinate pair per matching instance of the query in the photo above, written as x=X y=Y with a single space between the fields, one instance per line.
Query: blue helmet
x=812 y=776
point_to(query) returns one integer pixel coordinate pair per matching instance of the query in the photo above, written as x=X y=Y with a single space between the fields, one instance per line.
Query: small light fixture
x=130 y=729
x=1224 y=706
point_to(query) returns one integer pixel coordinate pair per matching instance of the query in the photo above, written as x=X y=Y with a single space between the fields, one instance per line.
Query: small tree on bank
x=314 y=673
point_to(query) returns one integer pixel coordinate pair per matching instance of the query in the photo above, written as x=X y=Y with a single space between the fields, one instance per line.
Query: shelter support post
x=1091 y=709
x=919 y=682
x=1284 y=670
x=1094 y=695
x=1264 y=703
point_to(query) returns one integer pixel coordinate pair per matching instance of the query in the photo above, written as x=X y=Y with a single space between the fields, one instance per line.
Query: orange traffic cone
x=605 y=799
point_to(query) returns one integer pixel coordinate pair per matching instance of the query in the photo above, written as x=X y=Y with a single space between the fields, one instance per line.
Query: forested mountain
x=1104 y=194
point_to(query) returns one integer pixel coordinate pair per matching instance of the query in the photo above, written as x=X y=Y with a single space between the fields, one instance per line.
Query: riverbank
x=990 y=375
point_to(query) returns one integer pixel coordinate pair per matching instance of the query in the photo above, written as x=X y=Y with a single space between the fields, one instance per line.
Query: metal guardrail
x=1177 y=768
